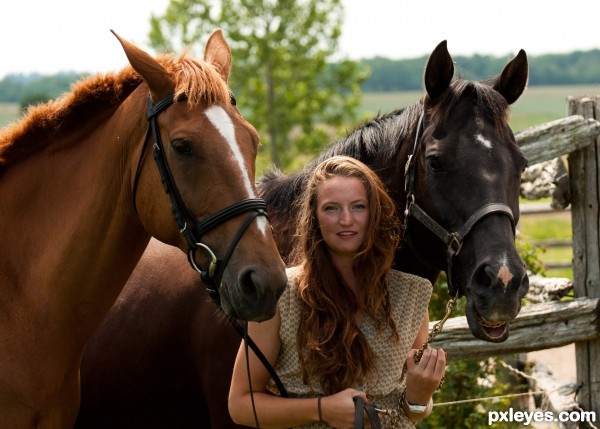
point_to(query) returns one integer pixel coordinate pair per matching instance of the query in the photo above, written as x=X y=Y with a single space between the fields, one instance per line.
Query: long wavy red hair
x=332 y=349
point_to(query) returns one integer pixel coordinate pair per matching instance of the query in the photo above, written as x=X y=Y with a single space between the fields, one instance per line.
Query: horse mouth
x=486 y=329
x=492 y=329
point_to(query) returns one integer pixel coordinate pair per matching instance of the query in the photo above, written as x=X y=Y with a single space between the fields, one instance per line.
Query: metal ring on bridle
x=213 y=262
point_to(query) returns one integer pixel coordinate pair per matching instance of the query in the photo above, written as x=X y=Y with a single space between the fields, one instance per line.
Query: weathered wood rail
x=538 y=327
x=557 y=138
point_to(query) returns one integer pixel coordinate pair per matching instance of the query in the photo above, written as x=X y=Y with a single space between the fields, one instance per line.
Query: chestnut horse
x=450 y=162
x=81 y=198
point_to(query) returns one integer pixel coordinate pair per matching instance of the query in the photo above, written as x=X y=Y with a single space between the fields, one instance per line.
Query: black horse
x=451 y=163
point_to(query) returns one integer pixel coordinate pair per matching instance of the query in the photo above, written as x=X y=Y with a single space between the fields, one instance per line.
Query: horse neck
x=70 y=213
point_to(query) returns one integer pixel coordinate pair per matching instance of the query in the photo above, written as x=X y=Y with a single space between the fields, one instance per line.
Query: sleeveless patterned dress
x=409 y=295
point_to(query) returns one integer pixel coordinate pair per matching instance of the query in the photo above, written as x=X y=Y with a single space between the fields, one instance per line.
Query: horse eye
x=181 y=146
x=434 y=163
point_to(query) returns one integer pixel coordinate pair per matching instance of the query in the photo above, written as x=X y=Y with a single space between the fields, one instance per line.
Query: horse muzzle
x=494 y=299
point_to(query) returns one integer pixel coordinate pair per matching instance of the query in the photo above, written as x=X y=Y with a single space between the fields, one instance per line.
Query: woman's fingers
x=432 y=365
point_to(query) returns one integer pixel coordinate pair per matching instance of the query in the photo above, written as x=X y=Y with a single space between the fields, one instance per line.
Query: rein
x=192 y=233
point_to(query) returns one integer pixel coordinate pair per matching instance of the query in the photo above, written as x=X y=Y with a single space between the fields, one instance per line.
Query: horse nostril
x=524 y=285
x=484 y=275
x=248 y=285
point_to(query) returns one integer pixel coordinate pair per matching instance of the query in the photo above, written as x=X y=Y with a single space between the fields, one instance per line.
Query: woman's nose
x=346 y=217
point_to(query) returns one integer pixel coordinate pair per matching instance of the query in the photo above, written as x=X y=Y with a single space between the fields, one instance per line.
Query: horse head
x=465 y=151
x=205 y=152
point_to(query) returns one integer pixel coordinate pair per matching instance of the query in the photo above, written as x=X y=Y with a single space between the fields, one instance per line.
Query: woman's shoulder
x=409 y=294
x=293 y=272
x=290 y=293
x=293 y=277
x=403 y=278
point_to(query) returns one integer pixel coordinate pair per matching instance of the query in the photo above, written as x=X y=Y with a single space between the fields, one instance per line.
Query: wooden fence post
x=584 y=174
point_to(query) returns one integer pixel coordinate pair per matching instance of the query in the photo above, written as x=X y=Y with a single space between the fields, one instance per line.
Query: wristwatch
x=413 y=408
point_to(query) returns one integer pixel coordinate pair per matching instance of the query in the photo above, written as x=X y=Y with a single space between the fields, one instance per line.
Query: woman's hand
x=423 y=379
x=338 y=409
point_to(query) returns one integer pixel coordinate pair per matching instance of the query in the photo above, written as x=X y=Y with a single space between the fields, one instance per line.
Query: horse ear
x=218 y=53
x=155 y=76
x=439 y=71
x=512 y=81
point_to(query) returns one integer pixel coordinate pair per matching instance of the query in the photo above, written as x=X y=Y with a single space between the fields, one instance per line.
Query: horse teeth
x=489 y=324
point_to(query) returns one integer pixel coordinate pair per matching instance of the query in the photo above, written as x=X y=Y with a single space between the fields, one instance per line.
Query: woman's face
x=343 y=214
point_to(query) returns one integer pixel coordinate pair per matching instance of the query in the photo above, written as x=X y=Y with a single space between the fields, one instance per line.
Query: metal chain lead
x=437 y=328
x=393 y=414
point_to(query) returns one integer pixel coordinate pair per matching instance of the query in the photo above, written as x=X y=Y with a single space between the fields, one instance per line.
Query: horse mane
x=98 y=96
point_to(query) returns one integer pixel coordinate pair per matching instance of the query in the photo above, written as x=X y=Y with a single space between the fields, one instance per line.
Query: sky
x=72 y=35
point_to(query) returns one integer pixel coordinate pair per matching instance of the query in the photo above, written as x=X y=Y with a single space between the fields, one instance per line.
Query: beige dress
x=409 y=295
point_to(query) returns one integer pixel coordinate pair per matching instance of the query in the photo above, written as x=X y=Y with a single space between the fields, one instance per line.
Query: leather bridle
x=452 y=240
x=192 y=229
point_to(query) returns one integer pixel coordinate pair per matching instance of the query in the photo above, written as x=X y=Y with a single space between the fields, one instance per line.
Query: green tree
x=283 y=73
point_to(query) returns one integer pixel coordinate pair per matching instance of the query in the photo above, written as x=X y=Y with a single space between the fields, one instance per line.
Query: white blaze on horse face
x=485 y=142
x=504 y=273
x=222 y=122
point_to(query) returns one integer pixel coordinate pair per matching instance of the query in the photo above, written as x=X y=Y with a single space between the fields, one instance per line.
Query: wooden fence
x=557 y=323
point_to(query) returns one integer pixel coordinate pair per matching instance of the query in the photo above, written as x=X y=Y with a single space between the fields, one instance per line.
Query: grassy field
x=539 y=104
x=539 y=227
x=8 y=113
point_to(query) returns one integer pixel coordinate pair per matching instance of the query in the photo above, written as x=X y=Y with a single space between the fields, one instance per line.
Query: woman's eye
x=181 y=146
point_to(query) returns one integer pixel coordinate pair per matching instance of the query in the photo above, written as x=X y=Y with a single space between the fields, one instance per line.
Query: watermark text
x=529 y=417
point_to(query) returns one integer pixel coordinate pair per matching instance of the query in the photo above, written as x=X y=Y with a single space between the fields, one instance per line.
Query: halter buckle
x=455 y=243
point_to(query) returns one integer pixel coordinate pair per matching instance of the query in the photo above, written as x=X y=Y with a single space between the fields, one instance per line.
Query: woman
x=346 y=322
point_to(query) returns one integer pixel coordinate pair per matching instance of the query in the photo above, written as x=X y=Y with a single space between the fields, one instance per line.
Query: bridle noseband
x=192 y=232
x=452 y=240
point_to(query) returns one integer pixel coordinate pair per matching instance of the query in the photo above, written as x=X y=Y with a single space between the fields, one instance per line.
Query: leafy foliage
x=283 y=76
